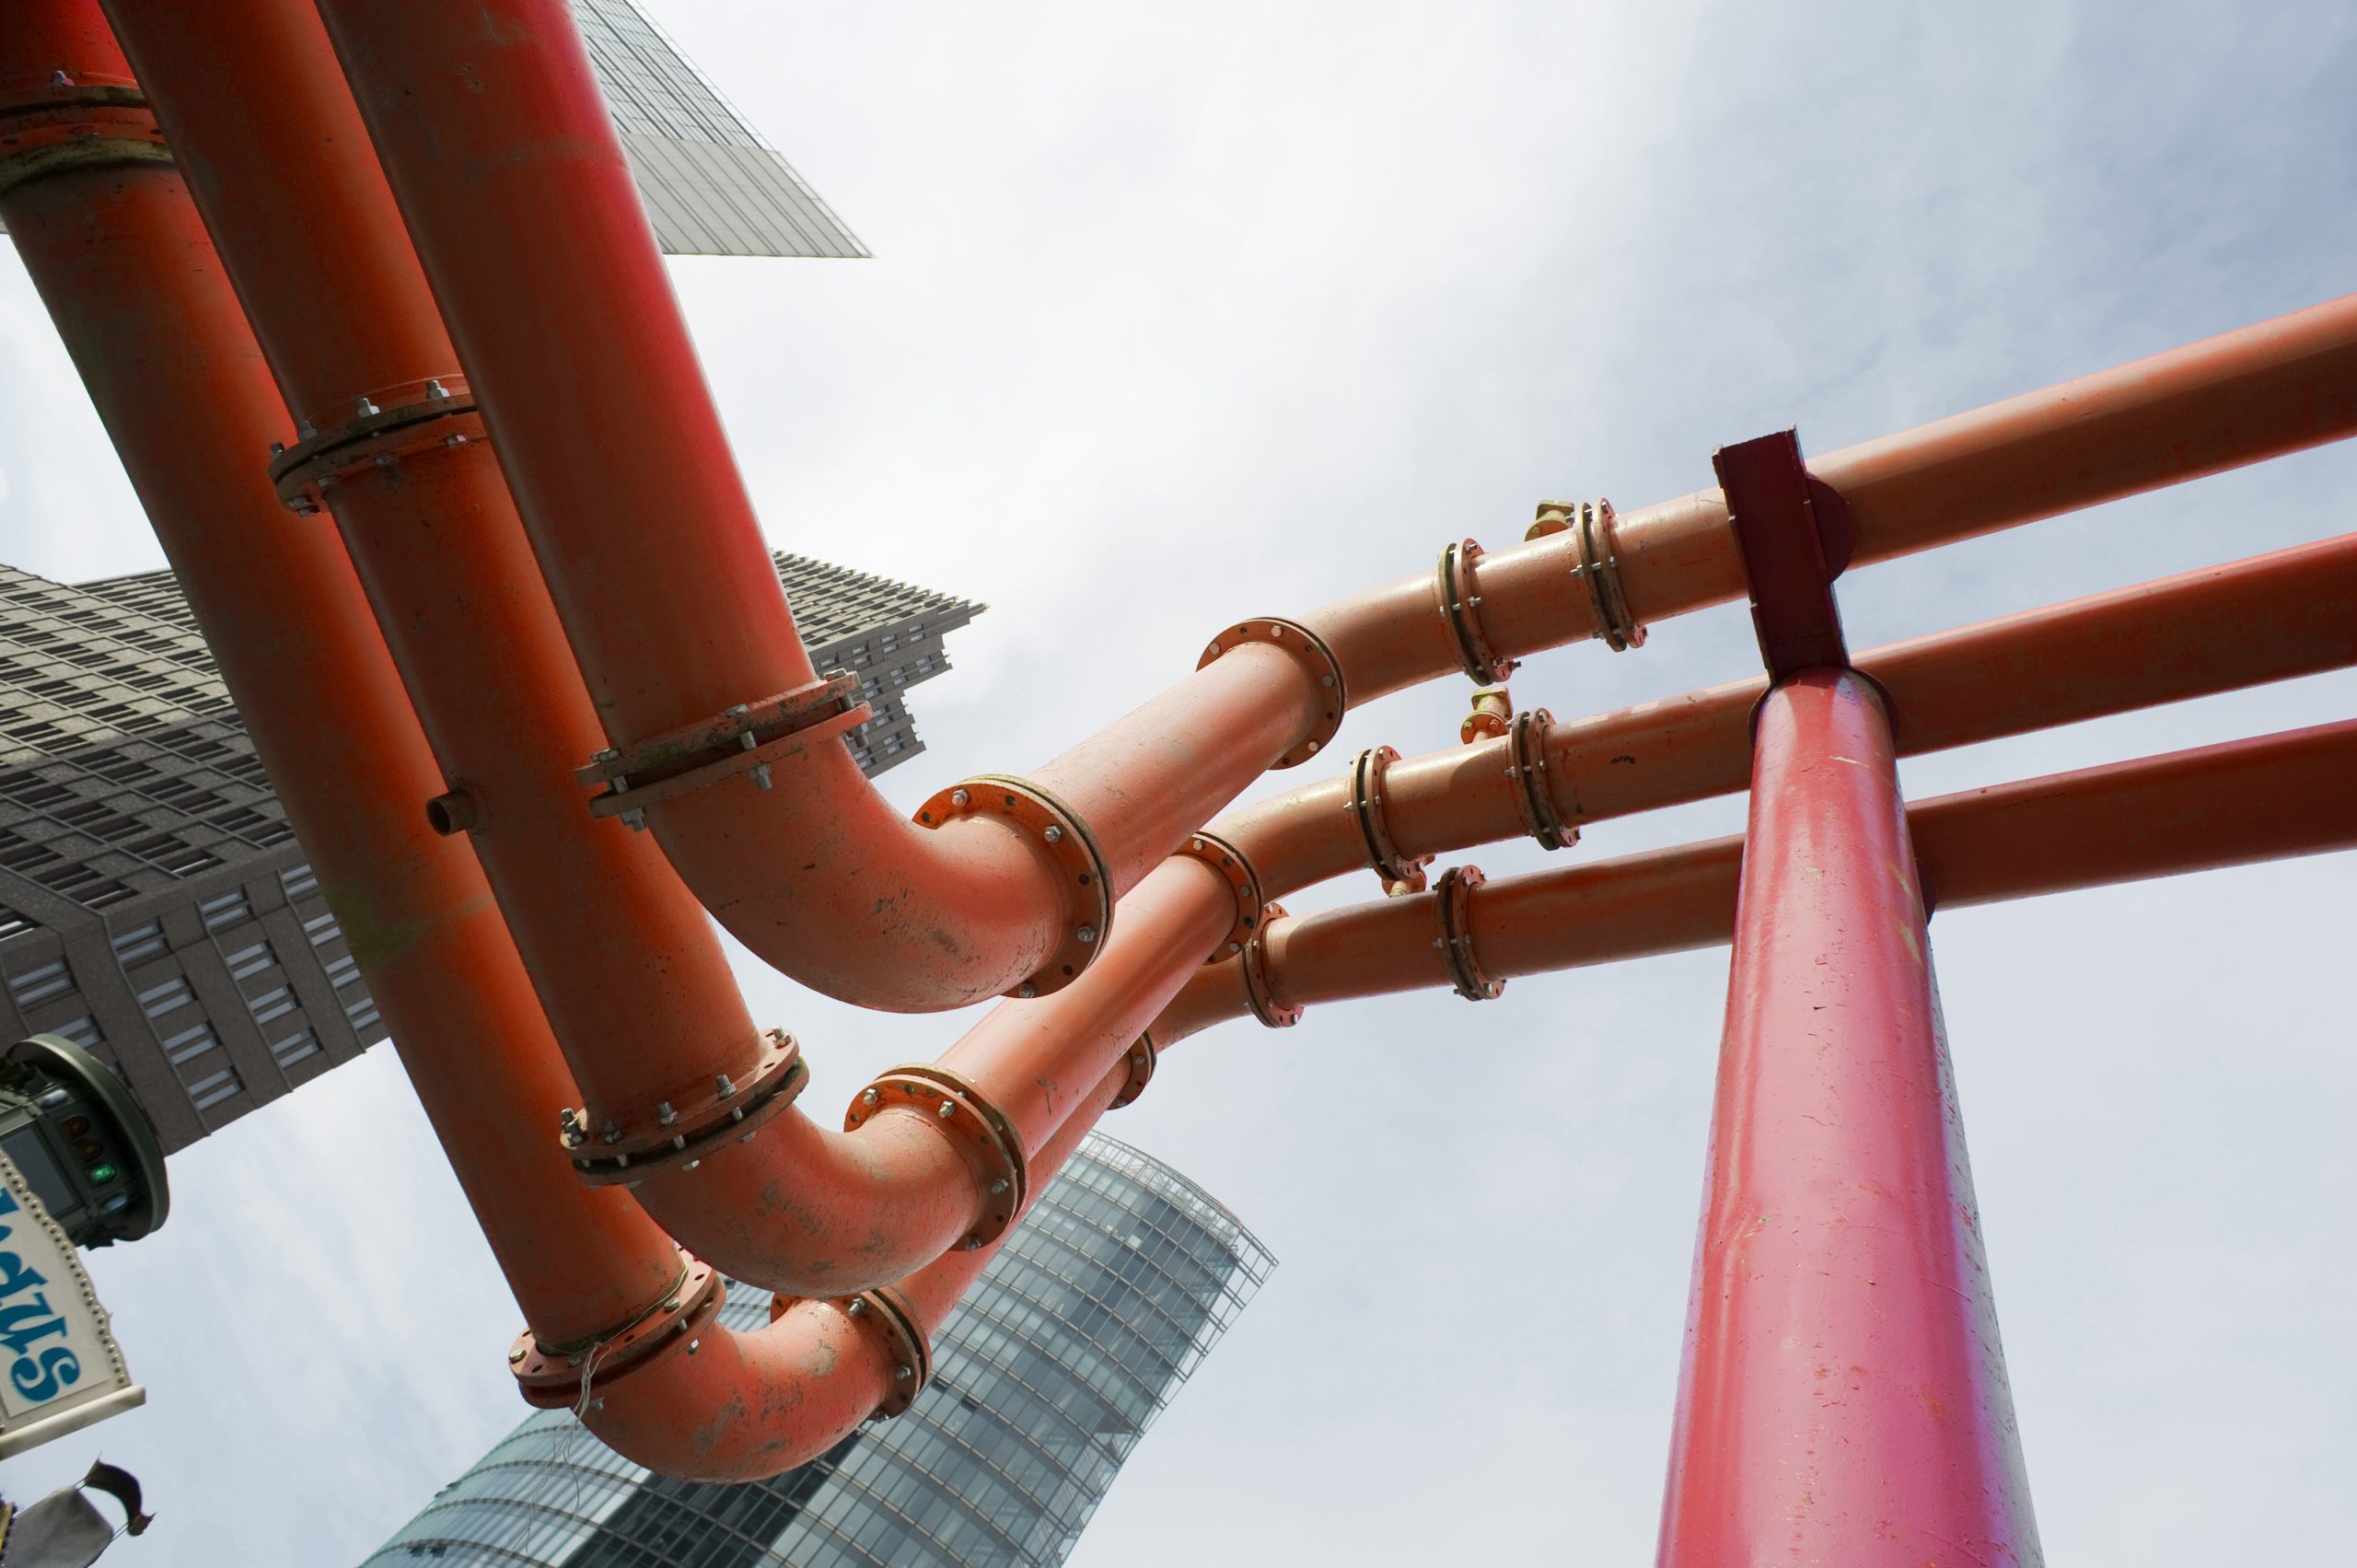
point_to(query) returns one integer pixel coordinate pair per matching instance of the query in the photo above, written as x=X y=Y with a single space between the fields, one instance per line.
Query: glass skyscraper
x=1080 y=1331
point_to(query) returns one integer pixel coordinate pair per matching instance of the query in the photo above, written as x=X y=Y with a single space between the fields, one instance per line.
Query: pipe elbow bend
x=731 y=1406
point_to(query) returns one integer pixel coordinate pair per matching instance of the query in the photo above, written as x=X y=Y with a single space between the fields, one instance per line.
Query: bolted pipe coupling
x=1452 y=903
x=1143 y=1056
x=1597 y=566
x=561 y=1375
x=609 y=1147
x=1242 y=880
x=978 y=1130
x=1398 y=873
x=1259 y=994
x=885 y=1316
x=62 y=125
x=1057 y=830
x=1307 y=649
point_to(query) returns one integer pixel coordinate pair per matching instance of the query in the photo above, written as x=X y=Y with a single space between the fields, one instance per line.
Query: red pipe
x=1843 y=1398
x=105 y=231
x=2235 y=803
x=2272 y=617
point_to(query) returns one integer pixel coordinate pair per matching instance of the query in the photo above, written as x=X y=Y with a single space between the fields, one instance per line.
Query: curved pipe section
x=2272 y=617
x=2236 y=804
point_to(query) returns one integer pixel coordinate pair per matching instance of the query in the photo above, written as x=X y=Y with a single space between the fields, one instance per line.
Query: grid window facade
x=1078 y=1334
x=149 y=880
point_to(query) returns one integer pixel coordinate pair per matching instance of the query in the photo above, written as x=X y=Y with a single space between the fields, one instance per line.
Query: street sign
x=60 y=1369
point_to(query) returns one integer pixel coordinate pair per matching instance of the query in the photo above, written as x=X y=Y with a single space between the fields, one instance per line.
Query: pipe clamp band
x=746 y=739
x=1592 y=525
x=438 y=412
x=619 y=1150
x=1457 y=587
x=58 y=129
x=1399 y=873
x=974 y=1126
x=1452 y=902
x=1526 y=766
x=1318 y=661
x=555 y=1376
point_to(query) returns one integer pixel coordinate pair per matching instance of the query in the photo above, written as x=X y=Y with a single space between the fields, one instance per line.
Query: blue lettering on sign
x=38 y=1376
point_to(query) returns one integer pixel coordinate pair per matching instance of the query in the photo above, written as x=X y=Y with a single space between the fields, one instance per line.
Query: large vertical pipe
x=1843 y=1398
x=119 y=259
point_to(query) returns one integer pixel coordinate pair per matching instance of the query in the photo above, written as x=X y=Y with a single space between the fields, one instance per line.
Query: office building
x=1081 y=1331
x=155 y=907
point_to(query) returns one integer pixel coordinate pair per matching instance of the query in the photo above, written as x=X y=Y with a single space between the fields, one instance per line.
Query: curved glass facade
x=1121 y=1280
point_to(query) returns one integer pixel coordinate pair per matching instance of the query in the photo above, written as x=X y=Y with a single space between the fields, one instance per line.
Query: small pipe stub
x=1317 y=660
x=974 y=1126
x=1228 y=861
x=453 y=811
x=1401 y=874
x=1259 y=994
x=1457 y=585
x=1452 y=902
x=1526 y=766
x=608 y=1149
x=555 y=1376
x=438 y=412
x=1143 y=1057
x=1591 y=526
x=746 y=740
x=1493 y=710
x=885 y=1316
x=1057 y=830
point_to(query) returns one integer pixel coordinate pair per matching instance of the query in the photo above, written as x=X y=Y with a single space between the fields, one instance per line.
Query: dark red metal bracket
x=1795 y=534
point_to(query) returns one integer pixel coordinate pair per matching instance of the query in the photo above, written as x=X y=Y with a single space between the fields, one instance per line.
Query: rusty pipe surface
x=2235 y=803
x=2272 y=617
x=123 y=265
x=725 y=1406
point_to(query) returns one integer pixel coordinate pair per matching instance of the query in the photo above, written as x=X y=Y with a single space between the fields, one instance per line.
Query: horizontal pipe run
x=2288 y=613
x=2235 y=803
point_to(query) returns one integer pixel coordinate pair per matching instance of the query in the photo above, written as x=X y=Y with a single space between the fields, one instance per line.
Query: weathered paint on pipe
x=2235 y=803
x=1843 y=1396
x=2272 y=617
x=123 y=265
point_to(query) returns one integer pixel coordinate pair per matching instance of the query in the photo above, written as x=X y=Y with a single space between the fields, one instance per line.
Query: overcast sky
x=1179 y=313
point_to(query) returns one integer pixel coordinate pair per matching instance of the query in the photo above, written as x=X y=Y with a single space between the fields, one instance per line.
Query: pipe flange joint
x=1526 y=766
x=1594 y=545
x=1452 y=902
x=885 y=1316
x=1242 y=880
x=609 y=1148
x=1144 y=1055
x=1399 y=873
x=1259 y=994
x=1047 y=821
x=556 y=1377
x=746 y=740
x=1457 y=587
x=61 y=126
x=976 y=1128
x=437 y=411
x=1318 y=661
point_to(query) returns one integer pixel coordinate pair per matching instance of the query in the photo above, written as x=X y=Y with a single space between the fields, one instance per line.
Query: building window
x=250 y=960
x=361 y=1012
x=302 y=1043
x=323 y=929
x=215 y=1087
x=298 y=881
x=190 y=1043
x=344 y=970
x=40 y=984
x=227 y=910
x=83 y=1031
x=276 y=1003
x=145 y=941
x=165 y=995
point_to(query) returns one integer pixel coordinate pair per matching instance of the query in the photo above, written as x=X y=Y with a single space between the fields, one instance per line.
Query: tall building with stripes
x=1080 y=1332
x=155 y=906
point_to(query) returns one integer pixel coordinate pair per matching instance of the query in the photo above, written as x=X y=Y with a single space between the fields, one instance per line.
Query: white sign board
x=59 y=1368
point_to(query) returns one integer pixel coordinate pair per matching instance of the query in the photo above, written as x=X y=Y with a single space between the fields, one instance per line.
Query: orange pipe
x=2235 y=803
x=2272 y=617
x=725 y=1406
x=119 y=256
